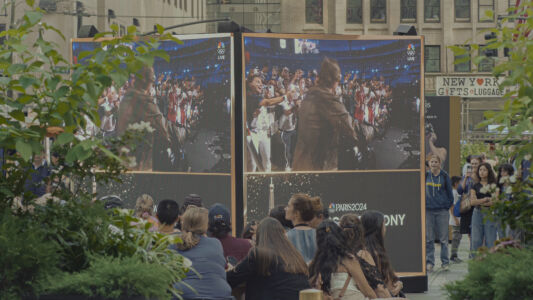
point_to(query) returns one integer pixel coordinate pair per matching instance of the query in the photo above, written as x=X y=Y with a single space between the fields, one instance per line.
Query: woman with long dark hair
x=374 y=227
x=334 y=270
x=482 y=196
x=273 y=269
x=354 y=235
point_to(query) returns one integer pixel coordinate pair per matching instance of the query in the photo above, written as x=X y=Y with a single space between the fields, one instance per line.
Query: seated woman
x=301 y=213
x=353 y=232
x=374 y=228
x=334 y=270
x=273 y=269
x=206 y=254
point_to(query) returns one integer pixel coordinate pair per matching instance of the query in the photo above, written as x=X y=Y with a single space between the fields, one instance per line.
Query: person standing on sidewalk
x=439 y=199
x=455 y=222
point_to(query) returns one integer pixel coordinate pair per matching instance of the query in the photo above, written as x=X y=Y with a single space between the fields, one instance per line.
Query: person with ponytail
x=374 y=228
x=318 y=208
x=273 y=269
x=208 y=281
x=334 y=270
x=354 y=236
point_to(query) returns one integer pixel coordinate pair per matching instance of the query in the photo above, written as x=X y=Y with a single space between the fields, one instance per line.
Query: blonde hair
x=144 y=204
x=194 y=223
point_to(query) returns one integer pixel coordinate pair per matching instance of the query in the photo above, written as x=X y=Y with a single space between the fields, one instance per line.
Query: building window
x=354 y=11
x=487 y=63
x=432 y=10
x=175 y=3
x=408 y=10
x=2 y=28
x=181 y=2
x=314 y=11
x=462 y=10
x=192 y=8
x=432 y=59
x=512 y=3
x=185 y=5
x=378 y=11
x=483 y=7
x=463 y=66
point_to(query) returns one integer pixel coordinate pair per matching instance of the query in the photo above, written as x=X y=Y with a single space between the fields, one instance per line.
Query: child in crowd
x=455 y=222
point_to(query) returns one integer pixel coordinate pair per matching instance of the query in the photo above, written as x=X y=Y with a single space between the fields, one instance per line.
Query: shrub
x=25 y=256
x=112 y=278
x=499 y=276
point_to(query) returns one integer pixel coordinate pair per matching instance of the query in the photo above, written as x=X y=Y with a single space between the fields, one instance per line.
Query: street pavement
x=438 y=278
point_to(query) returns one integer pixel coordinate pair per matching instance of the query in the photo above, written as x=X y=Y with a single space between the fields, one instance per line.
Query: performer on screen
x=138 y=106
x=322 y=122
x=258 y=122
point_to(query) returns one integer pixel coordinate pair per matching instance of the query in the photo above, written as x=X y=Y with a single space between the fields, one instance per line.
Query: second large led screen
x=370 y=120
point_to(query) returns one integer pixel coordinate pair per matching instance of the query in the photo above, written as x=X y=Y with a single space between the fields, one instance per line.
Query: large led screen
x=338 y=117
x=189 y=105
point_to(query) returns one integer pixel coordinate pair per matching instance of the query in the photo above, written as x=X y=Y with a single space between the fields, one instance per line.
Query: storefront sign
x=472 y=87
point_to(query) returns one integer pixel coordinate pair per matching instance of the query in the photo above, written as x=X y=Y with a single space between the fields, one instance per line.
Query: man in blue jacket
x=439 y=199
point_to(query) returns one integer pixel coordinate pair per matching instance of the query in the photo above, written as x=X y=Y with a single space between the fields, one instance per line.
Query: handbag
x=317 y=283
x=465 y=205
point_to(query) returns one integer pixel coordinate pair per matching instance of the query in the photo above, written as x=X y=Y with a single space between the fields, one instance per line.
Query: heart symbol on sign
x=480 y=81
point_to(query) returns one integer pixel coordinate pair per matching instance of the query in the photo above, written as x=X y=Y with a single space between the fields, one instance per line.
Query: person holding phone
x=467 y=182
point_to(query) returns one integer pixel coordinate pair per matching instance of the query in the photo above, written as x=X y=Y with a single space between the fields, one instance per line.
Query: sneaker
x=429 y=268
x=446 y=267
x=456 y=260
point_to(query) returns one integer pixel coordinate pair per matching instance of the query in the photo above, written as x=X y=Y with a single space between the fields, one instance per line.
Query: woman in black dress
x=353 y=232
x=374 y=228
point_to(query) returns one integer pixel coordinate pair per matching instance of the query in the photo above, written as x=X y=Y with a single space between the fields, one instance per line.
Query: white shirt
x=456 y=197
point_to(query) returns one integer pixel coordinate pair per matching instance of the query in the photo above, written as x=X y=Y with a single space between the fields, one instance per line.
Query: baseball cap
x=219 y=213
x=112 y=201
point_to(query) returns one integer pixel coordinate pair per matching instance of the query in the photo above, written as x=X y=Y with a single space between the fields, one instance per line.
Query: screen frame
x=421 y=124
x=232 y=173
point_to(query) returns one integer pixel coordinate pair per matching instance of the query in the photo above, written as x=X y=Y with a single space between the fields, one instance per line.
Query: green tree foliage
x=68 y=235
x=516 y=117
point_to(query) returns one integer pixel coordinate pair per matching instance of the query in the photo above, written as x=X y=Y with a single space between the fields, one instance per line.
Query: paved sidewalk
x=438 y=278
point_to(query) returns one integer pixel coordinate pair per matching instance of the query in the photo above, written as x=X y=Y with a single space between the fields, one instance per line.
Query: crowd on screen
x=181 y=102
x=368 y=102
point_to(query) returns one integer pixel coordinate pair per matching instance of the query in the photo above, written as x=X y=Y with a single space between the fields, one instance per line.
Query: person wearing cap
x=220 y=228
